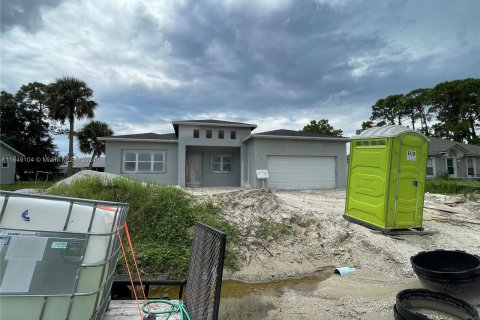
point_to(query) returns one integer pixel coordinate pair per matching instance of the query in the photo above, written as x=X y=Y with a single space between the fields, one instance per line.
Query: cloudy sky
x=276 y=63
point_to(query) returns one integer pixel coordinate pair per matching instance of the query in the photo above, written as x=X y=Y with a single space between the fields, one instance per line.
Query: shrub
x=160 y=220
x=450 y=186
x=270 y=230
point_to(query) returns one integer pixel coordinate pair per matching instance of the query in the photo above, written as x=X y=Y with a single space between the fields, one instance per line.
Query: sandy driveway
x=323 y=238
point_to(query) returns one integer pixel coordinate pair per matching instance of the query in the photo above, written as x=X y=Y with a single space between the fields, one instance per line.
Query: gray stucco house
x=9 y=156
x=210 y=153
x=458 y=160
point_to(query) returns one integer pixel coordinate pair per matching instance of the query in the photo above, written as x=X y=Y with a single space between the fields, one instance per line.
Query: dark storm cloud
x=297 y=55
x=24 y=13
x=153 y=62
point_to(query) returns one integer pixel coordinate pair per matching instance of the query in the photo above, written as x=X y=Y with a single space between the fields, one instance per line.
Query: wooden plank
x=445 y=208
x=122 y=309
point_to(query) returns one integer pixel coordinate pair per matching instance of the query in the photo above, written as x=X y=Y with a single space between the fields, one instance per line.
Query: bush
x=270 y=230
x=160 y=220
x=450 y=186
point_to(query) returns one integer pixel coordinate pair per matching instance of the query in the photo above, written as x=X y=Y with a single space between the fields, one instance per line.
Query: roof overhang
x=212 y=124
x=137 y=140
x=261 y=136
x=456 y=146
x=12 y=149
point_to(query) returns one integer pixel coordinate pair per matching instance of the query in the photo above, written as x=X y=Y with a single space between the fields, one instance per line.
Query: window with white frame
x=148 y=161
x=470 y=167
x=4 y=163
x=221 y=163
x=430 y=167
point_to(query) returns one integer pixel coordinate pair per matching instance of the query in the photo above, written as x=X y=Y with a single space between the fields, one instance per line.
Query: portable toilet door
x=410 y=152
x=386 y=179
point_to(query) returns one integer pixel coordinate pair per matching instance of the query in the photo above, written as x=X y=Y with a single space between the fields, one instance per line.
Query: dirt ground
x=323 y=239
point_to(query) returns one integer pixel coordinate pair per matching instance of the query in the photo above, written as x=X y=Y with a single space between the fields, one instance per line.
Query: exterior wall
x=249 y=178
x=113 y=160
x=259 y=149
x=212 y=179
x=440 y=167
x=7 y=175
x=185 y=138
x=462 y=168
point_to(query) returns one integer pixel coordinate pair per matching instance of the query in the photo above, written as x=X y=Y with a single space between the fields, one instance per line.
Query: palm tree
x=68 y=99
x=87 y=139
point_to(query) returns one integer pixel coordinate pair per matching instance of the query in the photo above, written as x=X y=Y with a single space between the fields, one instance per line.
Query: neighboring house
x=80 y=164
x=455 y=159
x=211 y=153
x=9 y=160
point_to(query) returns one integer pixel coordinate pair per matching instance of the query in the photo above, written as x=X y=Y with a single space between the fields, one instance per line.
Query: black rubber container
x=453 y=272
x=409 y=303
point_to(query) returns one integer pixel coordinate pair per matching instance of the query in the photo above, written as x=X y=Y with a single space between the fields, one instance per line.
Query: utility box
x=386 y=178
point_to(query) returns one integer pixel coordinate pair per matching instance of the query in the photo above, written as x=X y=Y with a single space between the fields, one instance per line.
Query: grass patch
x=27 y=185
x=451 y=186
x=160 y=220
x=250 y=307
x=270 y=230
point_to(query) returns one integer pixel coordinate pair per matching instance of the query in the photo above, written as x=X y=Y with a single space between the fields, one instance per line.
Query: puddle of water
x=238 y=289
x=242 y=300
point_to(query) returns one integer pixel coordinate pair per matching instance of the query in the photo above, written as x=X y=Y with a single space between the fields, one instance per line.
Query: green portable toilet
x=386 y=178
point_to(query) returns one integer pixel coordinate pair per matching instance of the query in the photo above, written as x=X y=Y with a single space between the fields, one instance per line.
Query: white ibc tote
x=57 y=256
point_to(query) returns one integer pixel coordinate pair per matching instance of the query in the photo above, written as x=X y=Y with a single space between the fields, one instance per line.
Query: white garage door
x=295 y=172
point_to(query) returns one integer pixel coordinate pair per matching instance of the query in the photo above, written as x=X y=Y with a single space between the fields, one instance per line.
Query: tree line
x=450 y=110
x=30 y=117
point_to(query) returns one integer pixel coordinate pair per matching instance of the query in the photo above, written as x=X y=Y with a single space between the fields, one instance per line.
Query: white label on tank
x=59 y=245
x=411 y=155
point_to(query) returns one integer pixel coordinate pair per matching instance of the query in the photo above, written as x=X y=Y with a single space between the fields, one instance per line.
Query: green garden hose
x=175 y=308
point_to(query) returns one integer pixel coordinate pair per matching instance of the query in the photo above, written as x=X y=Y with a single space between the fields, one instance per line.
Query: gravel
x=323 y=239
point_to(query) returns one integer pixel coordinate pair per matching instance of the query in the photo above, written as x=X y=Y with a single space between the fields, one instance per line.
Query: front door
x=408 y=182
x=193 y=169
x=452 y=167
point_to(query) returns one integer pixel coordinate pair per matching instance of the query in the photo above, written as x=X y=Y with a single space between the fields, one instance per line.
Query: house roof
x=145 y=137
x=214 y=123
x=439 y=146
x=292 y=134
x=6 y=146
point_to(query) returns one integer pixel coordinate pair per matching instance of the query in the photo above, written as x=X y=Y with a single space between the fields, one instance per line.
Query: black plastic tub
x=453 y=272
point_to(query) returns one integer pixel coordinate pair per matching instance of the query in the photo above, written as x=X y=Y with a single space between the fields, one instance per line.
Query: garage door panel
x=296 y=172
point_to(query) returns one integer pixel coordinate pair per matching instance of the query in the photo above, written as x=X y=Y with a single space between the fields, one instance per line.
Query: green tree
x=25 y=127
x=457 y=107
x=88 y=139
x=68 y=99
x=389 y=110
x=10 y=120
x=417 y=107
x=367 y=125
x=323 y=127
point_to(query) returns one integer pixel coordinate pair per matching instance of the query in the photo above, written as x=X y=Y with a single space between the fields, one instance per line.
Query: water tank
x=57 y=255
